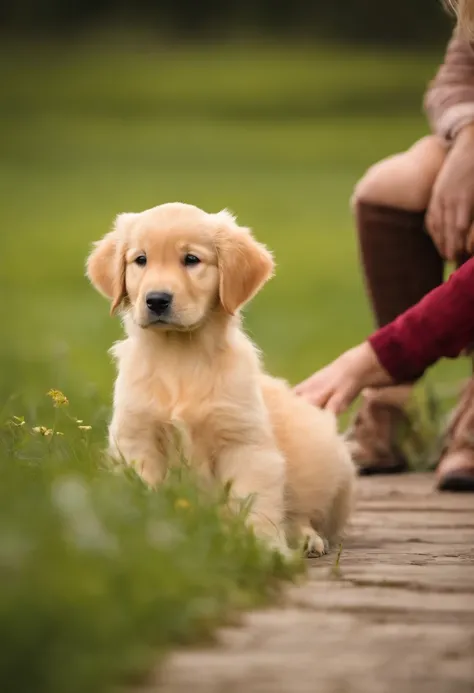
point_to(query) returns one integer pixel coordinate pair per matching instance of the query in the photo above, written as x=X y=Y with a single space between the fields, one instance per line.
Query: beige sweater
x=449 y=100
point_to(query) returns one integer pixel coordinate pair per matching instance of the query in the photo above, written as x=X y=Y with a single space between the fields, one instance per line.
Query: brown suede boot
x=400 y=264
x=373 y=438
x=455 y=470
x=399 y=260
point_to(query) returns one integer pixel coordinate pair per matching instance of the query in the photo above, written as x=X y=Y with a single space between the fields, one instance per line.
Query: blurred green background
x=107 y=107
x=272 y=108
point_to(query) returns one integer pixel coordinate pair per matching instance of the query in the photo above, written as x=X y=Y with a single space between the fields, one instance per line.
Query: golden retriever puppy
x=179 y=276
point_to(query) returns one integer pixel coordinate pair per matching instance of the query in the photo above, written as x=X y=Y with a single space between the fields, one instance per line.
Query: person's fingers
x=434 y=220
x=320 y=399
x=457 y=220
x=450 y=233
x=463 y=215
x=337 y=404
x=440 y=233
x=343 y=396
x=316 y=381
x=316 y=396
x=318 y=389
x=470 y=240
x=301 y=388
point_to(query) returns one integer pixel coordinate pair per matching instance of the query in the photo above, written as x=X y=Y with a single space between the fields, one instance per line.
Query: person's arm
x=449 y=99
x=440 y=325
x=449 y=105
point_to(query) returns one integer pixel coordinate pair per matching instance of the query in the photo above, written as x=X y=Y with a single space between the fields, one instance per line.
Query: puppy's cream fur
x=198 y=374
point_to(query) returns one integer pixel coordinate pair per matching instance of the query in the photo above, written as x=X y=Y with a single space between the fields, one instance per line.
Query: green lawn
x=278 y=136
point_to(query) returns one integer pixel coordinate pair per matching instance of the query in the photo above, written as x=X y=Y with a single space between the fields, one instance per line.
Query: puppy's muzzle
x=159 y=303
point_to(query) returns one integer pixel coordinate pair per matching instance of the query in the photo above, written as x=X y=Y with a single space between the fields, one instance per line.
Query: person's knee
x=404 y=180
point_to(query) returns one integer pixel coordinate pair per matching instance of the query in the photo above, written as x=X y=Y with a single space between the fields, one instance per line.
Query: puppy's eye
x=140 y=260
x=190 y=259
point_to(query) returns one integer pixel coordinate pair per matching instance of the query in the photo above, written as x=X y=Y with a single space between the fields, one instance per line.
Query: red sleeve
x=441 y=325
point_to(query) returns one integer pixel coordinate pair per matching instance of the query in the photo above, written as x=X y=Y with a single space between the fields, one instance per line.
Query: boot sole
x=457 y=482
x=381 y=470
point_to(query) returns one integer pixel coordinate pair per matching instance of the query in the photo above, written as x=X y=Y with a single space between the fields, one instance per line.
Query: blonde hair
x=464 y=10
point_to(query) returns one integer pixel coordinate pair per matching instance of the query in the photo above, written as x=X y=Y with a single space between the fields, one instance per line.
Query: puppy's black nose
x=159 y=302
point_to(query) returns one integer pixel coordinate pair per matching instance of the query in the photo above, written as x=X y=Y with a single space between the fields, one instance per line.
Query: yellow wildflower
x=42 y=430
x=84 y=428
x=59 y=398
x=182 y=503
x=58 y=433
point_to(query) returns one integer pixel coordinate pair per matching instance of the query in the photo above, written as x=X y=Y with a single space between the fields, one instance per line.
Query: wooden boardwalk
x=399 y=618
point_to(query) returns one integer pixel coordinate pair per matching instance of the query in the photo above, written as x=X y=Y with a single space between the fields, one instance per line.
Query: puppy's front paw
x=274 y=539
x=282 y=548
x=314 y=545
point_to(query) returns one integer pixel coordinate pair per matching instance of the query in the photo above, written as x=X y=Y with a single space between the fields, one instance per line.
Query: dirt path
x=399 y=619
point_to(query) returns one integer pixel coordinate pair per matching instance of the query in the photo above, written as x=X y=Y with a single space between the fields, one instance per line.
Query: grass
x=100 y=576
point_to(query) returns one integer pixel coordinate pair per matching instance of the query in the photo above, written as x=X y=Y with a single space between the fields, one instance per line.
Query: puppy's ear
x=244 y=264
x=106 y=263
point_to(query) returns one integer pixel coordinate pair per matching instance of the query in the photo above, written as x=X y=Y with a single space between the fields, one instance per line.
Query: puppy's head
x=172 y=266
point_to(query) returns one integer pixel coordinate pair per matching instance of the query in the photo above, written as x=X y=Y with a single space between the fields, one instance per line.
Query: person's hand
x=470 y=240
x=451 y=208
x=337 y=385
